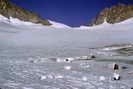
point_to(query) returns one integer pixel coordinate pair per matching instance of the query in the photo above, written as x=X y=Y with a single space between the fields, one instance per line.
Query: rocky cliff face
x=8 y=9
x=115 y=14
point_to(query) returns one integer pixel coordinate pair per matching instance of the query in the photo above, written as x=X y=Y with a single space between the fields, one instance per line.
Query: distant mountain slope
x=58 y=25
x=8 y=9
x=115 y=14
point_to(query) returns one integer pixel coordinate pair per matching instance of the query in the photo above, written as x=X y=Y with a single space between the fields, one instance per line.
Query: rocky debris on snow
x=32 y=60
x=130 y=72
x=124 y=67
x=117 y=47
x=36 y=59
x=69 y=59
x=87 y=57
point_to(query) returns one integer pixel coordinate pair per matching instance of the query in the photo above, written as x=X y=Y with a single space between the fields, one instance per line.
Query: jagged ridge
x=9 y=9
x=115 y=14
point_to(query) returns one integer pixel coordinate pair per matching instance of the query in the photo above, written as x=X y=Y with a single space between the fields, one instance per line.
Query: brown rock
x=9 y=9
x=115 y=14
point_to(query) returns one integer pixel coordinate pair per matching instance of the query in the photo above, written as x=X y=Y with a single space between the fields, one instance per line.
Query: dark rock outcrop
x=9 y=9
x=115 y=14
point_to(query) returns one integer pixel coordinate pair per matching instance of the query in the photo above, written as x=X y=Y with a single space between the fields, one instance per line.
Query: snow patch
x=59 y=77
x=27 y=88
x=84 y=27
x=100 y=26
x=116 y=76
x=58 y=25
x=102 y=78
x=84 y=78
x=67 y=67
x=3 y=19
x=43 y=77
x=128 y=21
x=16 y=21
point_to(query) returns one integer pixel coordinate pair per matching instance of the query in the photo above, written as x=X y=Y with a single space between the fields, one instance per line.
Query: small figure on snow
x=115 y=66
x=116 y=76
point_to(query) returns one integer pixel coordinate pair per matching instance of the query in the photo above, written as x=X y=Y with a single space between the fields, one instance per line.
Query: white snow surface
x=58 y=25
x=3 y=19
x=105 y=24
x=14 y=21
x=19 y=22
x=64 y=41
x=32 y=56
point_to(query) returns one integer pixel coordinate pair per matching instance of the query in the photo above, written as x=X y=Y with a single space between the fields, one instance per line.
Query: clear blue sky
x=70 y=12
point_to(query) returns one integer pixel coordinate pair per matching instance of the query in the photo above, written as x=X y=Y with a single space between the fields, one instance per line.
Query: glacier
x=31 y=55
x=64 y=41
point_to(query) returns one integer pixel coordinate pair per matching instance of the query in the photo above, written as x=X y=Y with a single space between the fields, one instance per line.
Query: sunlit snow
x=58 y=25
x=33 y=56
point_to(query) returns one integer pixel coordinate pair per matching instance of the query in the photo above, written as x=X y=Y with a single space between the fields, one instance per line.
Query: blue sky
x=69 y=12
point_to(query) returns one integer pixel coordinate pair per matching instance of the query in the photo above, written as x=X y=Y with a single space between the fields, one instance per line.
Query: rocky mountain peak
x=9 y=9
x=115 y=14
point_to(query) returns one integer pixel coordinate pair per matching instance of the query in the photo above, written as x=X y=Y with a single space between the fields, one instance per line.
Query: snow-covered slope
x=34 y=56
x=58 y=25
x=14 y=21
x=4 y=19
x=126 y=24
x=64 y=42
x=105 y=24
